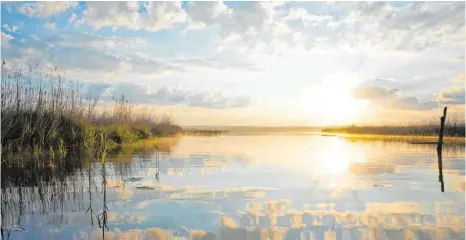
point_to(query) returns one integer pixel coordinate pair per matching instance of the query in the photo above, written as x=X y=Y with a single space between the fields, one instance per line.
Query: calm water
x=243 y=187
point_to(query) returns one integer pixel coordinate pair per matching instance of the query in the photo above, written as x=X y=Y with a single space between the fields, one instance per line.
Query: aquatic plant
x=41 y=110
x=453 y=128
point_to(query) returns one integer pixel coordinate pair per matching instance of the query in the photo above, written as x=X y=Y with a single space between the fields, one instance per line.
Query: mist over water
x=281 y=186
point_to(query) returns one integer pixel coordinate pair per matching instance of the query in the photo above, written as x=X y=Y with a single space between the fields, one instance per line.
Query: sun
x=332 y=102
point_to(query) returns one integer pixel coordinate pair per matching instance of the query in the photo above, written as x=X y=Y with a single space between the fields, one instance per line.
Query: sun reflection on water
x=258 y=187
x=336 y=156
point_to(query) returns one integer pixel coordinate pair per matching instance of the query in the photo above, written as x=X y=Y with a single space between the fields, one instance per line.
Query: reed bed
x=204 y=132
x=453 y=128
x=41 y=111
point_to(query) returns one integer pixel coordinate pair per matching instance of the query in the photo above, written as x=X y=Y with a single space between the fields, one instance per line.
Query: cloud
x=200 y=192
x=50 y=25
x=453 y=95
x=10 y=29
x=417 y=26
x=219 y=62
x=391 y=98
x=150 y=16
x=96 y=89
x=460 y=78
x=74 y=19
x=162 y=15
x=202 y=14
x=85 y=59
x=355 y=26
x=125 y=48
x=6 y=40
x=114 y=14
x=150 y=66
x=44 y=9
x=367 y=92
x=276 y=28
x=113 y=44
x=217 y=100
x=73 y=59
x=168 y=96
x=140 y=94
x=410 y=103
x=92 y=56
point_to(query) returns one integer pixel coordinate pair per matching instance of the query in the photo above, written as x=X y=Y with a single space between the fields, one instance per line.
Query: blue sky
x=252 y=63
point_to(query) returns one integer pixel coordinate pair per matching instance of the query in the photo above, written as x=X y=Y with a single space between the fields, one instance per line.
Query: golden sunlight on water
x=253 y=187
x=336 y=157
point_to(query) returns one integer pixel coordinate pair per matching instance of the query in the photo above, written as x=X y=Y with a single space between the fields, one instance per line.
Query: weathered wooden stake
x=439 y=148
x=442 y=125
x=440 y=169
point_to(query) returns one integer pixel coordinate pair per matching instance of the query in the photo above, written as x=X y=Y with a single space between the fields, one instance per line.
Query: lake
x=278 y=186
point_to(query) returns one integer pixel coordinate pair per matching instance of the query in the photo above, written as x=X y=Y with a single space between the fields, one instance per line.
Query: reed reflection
x=48 y=189
x=242 y=187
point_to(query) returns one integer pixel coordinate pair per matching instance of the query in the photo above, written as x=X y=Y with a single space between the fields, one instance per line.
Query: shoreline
x=414 y=139
x=154 y=142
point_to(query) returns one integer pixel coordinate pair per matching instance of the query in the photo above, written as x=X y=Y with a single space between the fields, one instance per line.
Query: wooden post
x=439 y=148
x=442 y=125
x=440 y=169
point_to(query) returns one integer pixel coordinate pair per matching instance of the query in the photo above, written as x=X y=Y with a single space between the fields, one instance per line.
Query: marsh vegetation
x=453 y=128
x=44 y=112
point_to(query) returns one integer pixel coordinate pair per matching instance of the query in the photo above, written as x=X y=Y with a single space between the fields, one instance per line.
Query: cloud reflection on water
x=256 y=187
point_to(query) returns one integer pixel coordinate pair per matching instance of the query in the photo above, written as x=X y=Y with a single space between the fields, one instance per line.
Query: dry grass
x=455 y=128
x=404 y=138
x=42 y=111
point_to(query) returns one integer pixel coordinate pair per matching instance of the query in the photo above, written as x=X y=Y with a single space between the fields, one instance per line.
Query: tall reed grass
x=41 y=110
x=453 y=128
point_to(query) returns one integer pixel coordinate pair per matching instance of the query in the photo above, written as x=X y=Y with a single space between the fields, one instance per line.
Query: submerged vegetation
x=42 y=112
x=452 y=129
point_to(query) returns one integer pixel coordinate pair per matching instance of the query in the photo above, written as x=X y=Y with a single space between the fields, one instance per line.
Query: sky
x=253 y=63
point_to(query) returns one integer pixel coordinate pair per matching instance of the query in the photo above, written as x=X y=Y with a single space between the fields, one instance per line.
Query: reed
x=204 y=132
x=41 y=110
x=453 y=128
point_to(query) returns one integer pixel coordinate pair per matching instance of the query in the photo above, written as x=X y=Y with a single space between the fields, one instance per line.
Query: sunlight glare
x=333 y=101
x=334 y=157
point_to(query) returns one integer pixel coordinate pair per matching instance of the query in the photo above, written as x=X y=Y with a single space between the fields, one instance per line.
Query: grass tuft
x=41 y=111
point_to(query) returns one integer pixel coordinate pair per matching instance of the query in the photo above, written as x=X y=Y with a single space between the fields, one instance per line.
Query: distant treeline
x=452 y=129
x=43 y=111
x=204 y=132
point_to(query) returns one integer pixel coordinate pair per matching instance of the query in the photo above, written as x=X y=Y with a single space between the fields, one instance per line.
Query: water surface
x=283 y=186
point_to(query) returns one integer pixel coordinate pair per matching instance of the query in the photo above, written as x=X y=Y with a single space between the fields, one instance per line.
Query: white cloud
x=292 y=45
x=162 y=15
x=452 y=95
x=114 y=14
x=167 y=96
x=365 y=27
x=269 y=26
x=50 y=25
x=73 y=19
x=101 y=43
x=202 y=14
x=392 y=99
x=10 y=29
x=6 y=40
x=304 y=16
x=157 y=15
x=45 y=9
